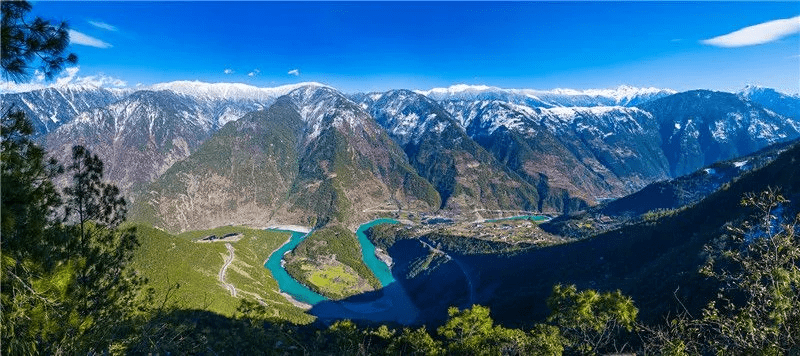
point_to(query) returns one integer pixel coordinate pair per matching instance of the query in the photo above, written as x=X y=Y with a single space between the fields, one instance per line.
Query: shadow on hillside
x=388 y=304
x=422 y=299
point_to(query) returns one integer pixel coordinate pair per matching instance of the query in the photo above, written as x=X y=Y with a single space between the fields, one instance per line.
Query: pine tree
x=31 y=43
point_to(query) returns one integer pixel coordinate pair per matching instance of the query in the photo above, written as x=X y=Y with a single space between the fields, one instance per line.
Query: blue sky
x=378 y=46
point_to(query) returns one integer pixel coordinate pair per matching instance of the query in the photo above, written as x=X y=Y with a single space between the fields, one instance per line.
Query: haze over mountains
x=198 y=155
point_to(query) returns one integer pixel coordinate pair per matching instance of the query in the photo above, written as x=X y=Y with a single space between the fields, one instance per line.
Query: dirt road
x=224 y=269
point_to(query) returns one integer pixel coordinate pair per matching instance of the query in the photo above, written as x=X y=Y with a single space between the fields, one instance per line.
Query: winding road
x=224 y=269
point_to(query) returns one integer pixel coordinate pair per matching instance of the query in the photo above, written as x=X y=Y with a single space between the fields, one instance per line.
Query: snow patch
x=719 y=131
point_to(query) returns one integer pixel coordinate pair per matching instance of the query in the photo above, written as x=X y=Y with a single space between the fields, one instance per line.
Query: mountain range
x=195 y=155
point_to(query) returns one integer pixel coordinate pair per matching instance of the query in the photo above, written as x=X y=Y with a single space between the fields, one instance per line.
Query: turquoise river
x=389 y=303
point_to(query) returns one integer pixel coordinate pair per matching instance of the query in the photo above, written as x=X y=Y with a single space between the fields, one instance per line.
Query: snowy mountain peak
x=752 y=90
x=227 y=91
x=622 y=95
x=458 y=89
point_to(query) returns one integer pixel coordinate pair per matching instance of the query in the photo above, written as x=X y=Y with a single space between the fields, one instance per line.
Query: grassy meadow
x=169 y=261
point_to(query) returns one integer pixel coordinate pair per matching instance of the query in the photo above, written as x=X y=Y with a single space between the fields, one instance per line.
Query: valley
x=400 y=178
x=392 y=207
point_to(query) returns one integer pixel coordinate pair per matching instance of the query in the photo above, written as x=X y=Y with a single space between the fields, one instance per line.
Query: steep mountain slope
x=653 y=262
x=554 y=151
x=313 y=158
x=781 y=104
x=349 y=164
x=701 y=127
x=221 y=182
x=587 y=153
x=52 y=107
x=138 y=137
x=144 y=132
x=659 y=198
x=464 y=174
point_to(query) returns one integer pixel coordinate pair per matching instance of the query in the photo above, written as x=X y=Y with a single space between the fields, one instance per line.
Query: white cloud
x=103 y=25
x=253 y=73
x=228 y=71
x=101 y=81
x=78 y=38
x=757 y=34
x=68 y=77
x=11 y=87
x=294 y=72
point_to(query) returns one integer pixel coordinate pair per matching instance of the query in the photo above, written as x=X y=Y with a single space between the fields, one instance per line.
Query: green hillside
x=184 y=273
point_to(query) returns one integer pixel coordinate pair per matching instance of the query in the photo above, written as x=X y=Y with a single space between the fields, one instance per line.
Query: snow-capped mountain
x=463 y=172
x=228 y=91
x=139 y=137
x=591 y=152
x=779 y=103
x=701 y=127
x=52 y=107
x=313 y=157
x=322 y=107
x=460 y=148
x=621 y=96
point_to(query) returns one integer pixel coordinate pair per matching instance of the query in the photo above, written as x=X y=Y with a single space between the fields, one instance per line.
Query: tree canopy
x=32 y=43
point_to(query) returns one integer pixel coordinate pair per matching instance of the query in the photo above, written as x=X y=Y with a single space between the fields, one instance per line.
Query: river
x=286 y=283
x=390 y=303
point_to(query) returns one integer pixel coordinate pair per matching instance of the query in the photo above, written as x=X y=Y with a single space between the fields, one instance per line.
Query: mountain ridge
x=524 y=153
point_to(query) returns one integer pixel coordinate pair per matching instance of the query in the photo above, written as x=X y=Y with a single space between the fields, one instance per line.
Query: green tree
x=756 y=310
x=29 y=246
x=65 y=286
x=29 y=197
x=414 y=342
x=757 y=265
x=466 y=331
x=105 y=288
x=590 y=321
x=471 y=332
x=31 y=43
x=33 y=272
